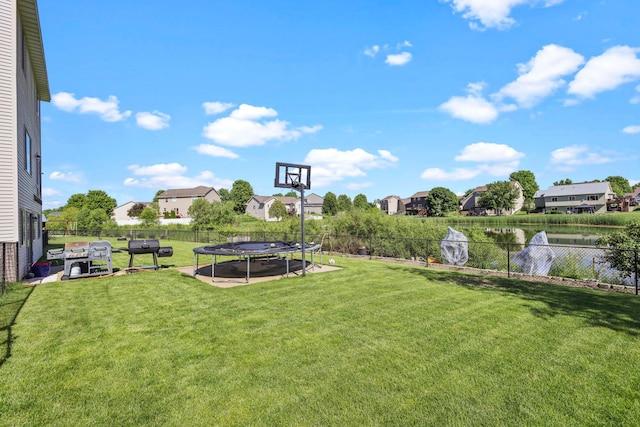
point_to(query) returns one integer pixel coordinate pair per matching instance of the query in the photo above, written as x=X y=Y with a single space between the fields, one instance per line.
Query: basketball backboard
x=290 y=175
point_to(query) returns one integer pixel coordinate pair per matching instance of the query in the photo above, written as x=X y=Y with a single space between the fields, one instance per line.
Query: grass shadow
x=612 y=310
x=11 y=303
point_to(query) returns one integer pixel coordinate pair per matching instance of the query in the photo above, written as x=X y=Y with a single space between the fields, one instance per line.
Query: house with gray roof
x=417 y=204
x=392 y=205
x=471 y=203
x=179 y=200
x=258 y=206
x=584 y=197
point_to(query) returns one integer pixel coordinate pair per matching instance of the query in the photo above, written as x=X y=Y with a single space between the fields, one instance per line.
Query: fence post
x=635 y=253
x=426 y=257
x=508 y=259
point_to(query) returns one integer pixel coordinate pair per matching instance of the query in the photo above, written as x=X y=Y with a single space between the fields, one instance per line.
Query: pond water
x=563 y=235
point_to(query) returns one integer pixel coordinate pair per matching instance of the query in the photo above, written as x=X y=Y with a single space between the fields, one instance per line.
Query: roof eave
x=33 y=35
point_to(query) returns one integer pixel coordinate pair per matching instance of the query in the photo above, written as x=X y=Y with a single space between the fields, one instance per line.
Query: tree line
x=93 y=210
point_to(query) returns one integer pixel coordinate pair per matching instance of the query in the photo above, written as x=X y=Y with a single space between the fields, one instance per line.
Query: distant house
x=471 y=203
x=633 y=199
x=418 y=203
x=179 y=200
x=121 y=213
x=586 y=197
x=23 y=85
x=312 y=204
x=392 y=205
x=258 y=206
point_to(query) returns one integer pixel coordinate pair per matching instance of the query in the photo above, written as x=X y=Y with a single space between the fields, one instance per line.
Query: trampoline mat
x=257 y=268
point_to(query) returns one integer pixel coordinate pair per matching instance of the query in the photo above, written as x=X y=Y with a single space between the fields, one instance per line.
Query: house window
x=173 y=199
x=27 y=151
x=39 y=175
x=572 y=198
x=592 y=197
x=554 y=199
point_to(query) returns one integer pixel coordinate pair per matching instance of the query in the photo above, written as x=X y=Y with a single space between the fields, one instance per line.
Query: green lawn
x=372 y=344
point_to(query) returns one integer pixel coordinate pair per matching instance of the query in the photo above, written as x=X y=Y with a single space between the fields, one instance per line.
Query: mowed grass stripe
x=372 y=344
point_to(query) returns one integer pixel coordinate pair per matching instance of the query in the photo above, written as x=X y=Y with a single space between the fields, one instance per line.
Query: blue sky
x=380 y=98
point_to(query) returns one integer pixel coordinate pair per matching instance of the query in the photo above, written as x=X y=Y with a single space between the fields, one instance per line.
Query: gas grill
x=84 y=259
x=151 y=246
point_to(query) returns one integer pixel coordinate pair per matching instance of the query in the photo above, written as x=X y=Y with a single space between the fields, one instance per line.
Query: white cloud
x=215 y=151
x=49 y=192
x=357 y=186
x=458 y=174
x=616 y=66
x=491 y=158
x=636 y=98
x=107 y=110
x=65 y=176
x=631 y=129
x=567 y=158
x=171 y=175
x=541 y=75
x=488 y=152
x=492 y=13
x=216 y=107
x=472 y=108
x=393 y=58
x=245 y=127
x=250 y=112
x=372 y=51
x=153 y=121
x=398 y=59
x=332 y=165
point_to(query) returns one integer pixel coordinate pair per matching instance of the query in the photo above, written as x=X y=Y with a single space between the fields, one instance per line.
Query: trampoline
x=269 y=253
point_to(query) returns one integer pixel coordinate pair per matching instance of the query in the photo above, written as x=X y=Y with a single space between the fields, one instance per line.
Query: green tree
x=136 y=210
x=155 y=198
x=99 y=199
x=277 y=210
x=222 y=213
x=76 y=201
x=240 y=193
x=207 y=215
x=619 y=185
x=344 y=203
x=361 y=202
x=563 y=182
x=622 y=249
x=225 y=196
x=201 y=214
x=528 y=182
x=149 y=217
x=330 y=204
x=441 y=200
x=500 y=195
x=92 y=220
x=291 y=193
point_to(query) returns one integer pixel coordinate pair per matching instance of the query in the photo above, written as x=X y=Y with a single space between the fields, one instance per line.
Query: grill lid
x=143 y=246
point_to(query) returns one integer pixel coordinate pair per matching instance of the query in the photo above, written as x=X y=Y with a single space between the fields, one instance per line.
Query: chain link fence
x=614 y=266
x=8 y=264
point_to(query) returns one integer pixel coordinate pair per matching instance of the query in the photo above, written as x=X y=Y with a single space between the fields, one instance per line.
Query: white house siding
x=29 y=192
x=8 y=124
x=20 y=192
x=120 y=212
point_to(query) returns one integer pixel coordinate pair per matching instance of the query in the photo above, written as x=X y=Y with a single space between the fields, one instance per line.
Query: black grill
x=151 y=246
x=143 y=246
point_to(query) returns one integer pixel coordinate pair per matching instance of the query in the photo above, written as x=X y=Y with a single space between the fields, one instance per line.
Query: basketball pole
x=304 y=266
